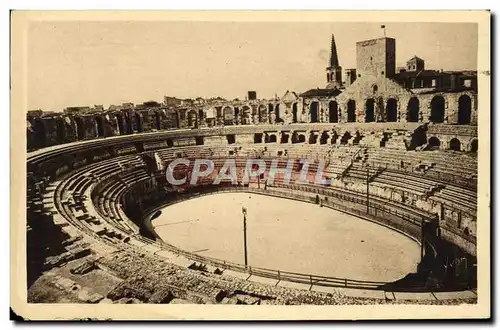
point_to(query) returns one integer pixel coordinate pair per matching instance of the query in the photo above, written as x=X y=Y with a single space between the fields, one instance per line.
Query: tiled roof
x=322 y=92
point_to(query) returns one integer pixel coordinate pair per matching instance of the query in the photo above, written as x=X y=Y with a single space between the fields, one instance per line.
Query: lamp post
x=244 y=211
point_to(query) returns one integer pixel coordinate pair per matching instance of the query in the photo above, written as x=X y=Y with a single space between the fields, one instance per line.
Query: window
x=467 y=83
x=433 y=82
x=375 y=89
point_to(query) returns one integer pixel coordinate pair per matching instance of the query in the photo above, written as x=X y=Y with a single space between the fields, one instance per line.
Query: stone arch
x=334 y=137
x=228 y=115
x=324 y=138
x=138 y=122
x=40 y=133
x=277 y=112
x=455 y=144
x=271 y=138
x=413 y=110
x=157 y=120
x=345 y=138
x=473 y=145
x=294 y=112
x=119 y=123
x=192 y=118
x=391 y=110
x=369 y=110
x=313 y=138
x=314 y=112
x=351 y=111
x=464 y=110
x=437 y=109
x=255 y=115
x=333 y=112
x=128 y=123
x=433 y=142
x=60 y=130
x=246 y=112
x=79 y=128
x=270 y=112
x=99 y=122
x=263 y=113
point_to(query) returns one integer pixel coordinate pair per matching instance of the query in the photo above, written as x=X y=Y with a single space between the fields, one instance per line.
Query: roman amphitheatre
x=396 y=223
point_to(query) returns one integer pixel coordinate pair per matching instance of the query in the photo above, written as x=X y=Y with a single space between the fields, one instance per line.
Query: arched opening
x=157 y=120
x=314 y=112
x=138 y=122
x=370 y=111
x=277 y=113
x=351 y=111
x=437 y=109
x=263 y=114
x=284 y=137
x=201 y=114
x=413 y=110
x=464 y=110
x=313 y=138
x=301 y=138
x=271 y=138
x=324 y=138
x=119 y=124
x=333 y=112
x=150 y=163
x=40 y=134
x=334 y=137
x=99 y=121
x=128 y=123
x=60 y=130
x=345 y=138
x=434 y=143
x=80 y=128
x=270 y=108
x=255 y=115
x=294 y=113
x=473 y=145
x=392 y=110
x=246 y=114
x=455 y=144
x=228 y=115
x=236 y=115
x=192 y=119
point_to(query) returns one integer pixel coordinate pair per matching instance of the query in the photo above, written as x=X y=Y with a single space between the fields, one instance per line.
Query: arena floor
x=289 y=236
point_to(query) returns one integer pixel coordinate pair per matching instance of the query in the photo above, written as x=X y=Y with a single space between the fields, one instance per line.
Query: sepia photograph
x=307 y=165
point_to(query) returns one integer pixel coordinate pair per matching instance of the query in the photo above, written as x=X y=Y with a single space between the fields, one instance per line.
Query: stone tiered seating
x=445 y=166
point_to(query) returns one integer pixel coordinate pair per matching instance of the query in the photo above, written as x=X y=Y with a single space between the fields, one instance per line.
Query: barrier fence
x=378 y=213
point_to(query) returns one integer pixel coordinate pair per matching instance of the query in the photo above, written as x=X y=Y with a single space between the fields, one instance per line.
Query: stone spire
x=334 y=70
x=334 y=59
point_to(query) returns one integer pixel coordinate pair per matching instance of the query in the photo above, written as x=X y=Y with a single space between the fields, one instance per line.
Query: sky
x=111 y=62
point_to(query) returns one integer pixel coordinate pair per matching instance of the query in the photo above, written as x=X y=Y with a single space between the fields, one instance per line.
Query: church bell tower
x=334 y=70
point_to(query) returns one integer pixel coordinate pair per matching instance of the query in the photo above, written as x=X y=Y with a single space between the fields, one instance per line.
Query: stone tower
x=376 y=57
x=334 y=70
